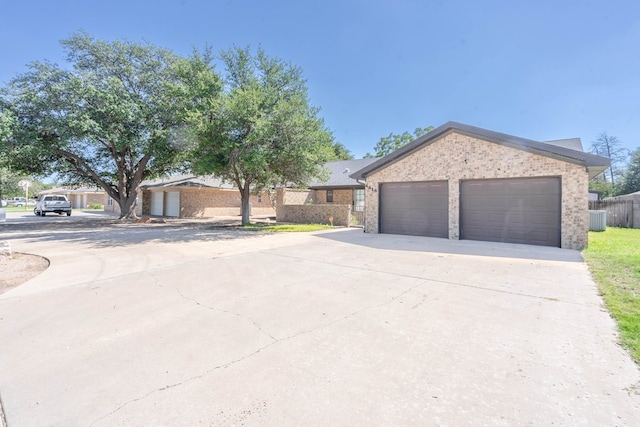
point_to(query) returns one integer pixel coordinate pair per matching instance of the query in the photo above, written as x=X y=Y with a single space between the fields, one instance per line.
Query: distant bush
x=95 y=206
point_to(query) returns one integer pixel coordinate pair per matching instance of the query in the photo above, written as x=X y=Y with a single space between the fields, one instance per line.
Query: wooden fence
x=619 y=212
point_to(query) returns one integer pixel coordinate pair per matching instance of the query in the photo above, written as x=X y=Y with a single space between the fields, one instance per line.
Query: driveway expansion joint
x=445 y=282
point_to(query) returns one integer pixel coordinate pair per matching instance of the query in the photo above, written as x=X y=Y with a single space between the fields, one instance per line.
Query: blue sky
x=536 y=69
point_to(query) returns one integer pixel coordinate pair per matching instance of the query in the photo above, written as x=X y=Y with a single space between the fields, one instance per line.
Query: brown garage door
x=415 y=208
x=518 y=210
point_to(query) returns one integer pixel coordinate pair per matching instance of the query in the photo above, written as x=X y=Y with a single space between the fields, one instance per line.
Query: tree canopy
x=112 y=119
x=631 y=178
x=261 y=131
x=7 y=123
x=340 y=152
x=390 y=143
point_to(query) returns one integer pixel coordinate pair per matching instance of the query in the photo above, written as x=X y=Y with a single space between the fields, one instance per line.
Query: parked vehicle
x=52 y=203
x=19 y=201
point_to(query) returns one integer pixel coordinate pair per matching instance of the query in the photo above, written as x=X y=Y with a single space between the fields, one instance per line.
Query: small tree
x=262 y=131
x=392 y=142
x=112 y=119
x=611 y=147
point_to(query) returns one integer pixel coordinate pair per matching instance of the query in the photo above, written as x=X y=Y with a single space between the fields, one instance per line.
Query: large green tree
x=631 y=178
x=7 y=123
x=390 y=143
x=262 y=131
x=114 y=118
x=8 y=178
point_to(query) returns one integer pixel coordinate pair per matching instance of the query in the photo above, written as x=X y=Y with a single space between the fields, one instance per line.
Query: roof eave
x=339 y=187
x=570 y=156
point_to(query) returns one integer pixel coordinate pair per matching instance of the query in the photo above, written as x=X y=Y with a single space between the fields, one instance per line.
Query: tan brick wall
x=210 y=202
x=340 y=197
x=297 y=197
x=456 y=157
x=291 y=196
x=316 y=214
x=146 y=202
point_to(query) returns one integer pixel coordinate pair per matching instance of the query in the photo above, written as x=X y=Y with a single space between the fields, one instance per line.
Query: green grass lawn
x=613 y=257
x=18 y=208
x=287 y=228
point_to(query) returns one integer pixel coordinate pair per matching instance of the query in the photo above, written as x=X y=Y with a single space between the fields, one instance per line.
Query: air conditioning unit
x=597 y=220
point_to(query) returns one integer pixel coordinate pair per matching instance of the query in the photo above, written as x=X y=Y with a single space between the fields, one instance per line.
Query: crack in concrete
x=422 y=301
x=227 y=312
x=3 y=419
x=264 y=347
x=188 y=380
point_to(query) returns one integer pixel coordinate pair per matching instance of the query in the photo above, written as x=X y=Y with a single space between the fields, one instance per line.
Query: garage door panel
x=172 y=207
x=415 y=208
x=157 y=203
x=545 y=221
x=517 y=210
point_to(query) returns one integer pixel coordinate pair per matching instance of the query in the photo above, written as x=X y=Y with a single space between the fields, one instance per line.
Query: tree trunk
x=245 y=194
x=127 y=207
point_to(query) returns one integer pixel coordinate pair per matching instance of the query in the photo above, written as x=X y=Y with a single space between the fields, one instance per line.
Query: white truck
x=52 y=203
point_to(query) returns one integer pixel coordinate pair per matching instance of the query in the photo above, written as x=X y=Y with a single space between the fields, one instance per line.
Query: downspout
x=364 y=217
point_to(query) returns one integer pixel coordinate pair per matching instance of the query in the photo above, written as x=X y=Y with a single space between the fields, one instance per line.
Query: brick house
x=83 y=196
x=339 y=196
x=190 y=196
x=340 y=188
x=464 y=182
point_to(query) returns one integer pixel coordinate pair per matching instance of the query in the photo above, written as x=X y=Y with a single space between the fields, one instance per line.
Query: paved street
x=188 y=323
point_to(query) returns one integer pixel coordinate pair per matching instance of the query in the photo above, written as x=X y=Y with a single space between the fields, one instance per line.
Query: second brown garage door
x=518 y=210
x=415 y=208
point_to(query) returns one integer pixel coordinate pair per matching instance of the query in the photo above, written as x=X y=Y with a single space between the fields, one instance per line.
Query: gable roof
x=572 y=143
x=339 y=173
x=186 y=181
x=74 y=190
x=594 y=164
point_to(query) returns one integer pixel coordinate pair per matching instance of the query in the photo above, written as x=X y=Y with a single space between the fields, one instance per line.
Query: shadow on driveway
x=99 y=232
x=447 y=246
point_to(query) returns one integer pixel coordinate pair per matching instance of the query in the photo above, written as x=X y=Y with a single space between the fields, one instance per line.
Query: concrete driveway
x=171 y=325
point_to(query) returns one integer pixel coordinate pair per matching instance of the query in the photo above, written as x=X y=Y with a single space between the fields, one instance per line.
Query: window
x=329 y=196
x=109 y=201
x=259 y=197
x=358 y=200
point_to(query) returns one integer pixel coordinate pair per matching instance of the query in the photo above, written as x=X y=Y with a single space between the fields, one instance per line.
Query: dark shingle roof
x=594 y=164
x=186 y=181
x=339 y=173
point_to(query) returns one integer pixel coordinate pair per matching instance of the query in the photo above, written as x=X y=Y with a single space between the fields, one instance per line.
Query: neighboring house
x=190 y=196
x=340 y=188
x=464 y=182
x=340 y=197
x=595 y=195
x=81 y=197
